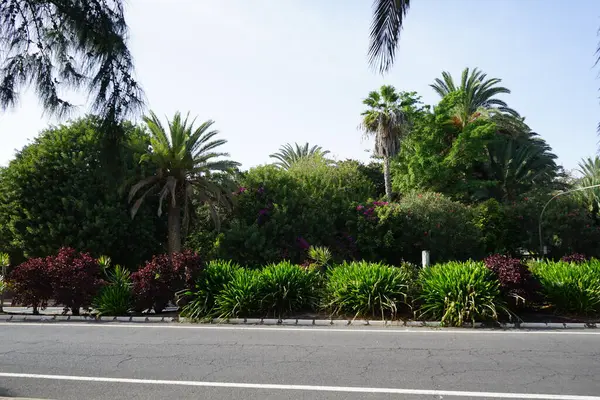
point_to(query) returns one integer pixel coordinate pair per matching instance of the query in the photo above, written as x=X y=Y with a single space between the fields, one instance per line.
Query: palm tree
x=386 y=120
x=590 y=175
x=185 y=161
x=477 y=96
x=288 y=155
x=518 y=165
x=388 y=17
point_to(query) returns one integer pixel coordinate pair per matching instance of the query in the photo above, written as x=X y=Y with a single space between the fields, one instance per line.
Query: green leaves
x=456 y=293
x=477 y=95
x=116 y=298
x=58 y=192
x=202 y=299
x=287 y=288
x=388 y=16
x=362 y=289
x=570 y=288
x=275 y=207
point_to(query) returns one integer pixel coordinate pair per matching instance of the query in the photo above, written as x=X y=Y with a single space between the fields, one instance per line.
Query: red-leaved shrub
x=31 y=284
x=575 y=258
x=76 y=278
x=156 y=283
x=516 y=281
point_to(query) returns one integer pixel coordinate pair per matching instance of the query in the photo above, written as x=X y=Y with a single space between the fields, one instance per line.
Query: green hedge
x=280 y=213
x=398 y=232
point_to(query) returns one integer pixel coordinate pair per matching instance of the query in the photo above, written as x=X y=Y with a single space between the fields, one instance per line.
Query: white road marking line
x=269 y=386
x=350 y=329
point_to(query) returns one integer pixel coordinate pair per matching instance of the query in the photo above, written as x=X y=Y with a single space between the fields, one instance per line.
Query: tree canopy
x=472 y=155
x=56 y=192
x=53 y=45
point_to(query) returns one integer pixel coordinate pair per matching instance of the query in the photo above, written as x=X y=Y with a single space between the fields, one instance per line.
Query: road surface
x=126 y=361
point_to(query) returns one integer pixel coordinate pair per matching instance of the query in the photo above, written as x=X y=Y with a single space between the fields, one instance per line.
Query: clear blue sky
x=276 y=71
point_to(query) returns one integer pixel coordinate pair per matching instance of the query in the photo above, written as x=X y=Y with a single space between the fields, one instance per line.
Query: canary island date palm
x=478 y=96
x=288 y=155
x=186 y=162
x=386 y=120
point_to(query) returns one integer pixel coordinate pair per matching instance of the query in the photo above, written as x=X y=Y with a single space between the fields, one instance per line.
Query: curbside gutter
x=8 y=318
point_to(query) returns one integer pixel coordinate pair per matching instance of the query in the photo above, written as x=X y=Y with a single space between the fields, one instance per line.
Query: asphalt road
x=103 y=361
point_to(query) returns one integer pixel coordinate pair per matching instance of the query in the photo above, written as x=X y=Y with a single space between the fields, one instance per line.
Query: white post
x=425 y=258
x=3 y=273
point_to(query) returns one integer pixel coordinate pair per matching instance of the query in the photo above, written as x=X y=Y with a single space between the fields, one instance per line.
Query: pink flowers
x=369 y=211
x=380 y=203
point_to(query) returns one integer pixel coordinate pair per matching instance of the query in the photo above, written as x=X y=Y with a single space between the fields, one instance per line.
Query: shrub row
x=225 y=290
x=280 y=214
x=77 y=280
x=454 y=292
x=70 y=278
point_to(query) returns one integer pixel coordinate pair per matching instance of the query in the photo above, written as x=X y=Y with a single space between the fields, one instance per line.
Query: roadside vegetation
x=104 y=215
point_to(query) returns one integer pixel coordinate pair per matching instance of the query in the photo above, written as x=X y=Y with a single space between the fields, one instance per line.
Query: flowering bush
x=76 y=278
x=516 y=281
x=281 y=213
x=567 y=227
x=156 y=283
x=574 y=258
x=31 y=284
x=395 y=232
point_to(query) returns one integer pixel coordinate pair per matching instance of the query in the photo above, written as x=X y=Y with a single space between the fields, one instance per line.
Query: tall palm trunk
x=387 y=177
x=174 y=229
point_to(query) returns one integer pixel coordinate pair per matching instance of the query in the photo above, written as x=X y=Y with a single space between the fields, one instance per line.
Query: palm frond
x=288 y=155
x=478 y=93
x=388 y=17
x=144 y=182
x=184 y=157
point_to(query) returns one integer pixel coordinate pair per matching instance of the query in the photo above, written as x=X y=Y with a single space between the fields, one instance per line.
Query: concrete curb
x=287 y=322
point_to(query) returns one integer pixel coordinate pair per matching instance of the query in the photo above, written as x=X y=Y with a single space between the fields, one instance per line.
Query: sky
x=269 y=72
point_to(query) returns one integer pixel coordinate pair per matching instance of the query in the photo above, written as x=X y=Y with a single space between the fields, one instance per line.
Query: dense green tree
x=373 y=171
x=288 y=155
x=57 y=193
x=279 y=212
x=186 y=162
x=498 y=157
x=58 y=44
x=386 y=119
